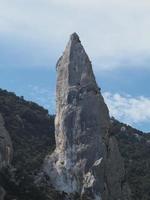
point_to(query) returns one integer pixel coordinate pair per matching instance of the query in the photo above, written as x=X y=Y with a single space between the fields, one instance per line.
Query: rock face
x=5 y=145
x=86 y=159
x=2 y=193
x=5 y=150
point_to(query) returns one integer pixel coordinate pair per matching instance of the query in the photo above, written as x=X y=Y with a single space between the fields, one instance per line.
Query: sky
x=114 y=33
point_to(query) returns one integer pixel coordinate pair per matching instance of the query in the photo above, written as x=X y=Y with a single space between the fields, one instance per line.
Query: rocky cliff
x=86 y=160
x=6 y=151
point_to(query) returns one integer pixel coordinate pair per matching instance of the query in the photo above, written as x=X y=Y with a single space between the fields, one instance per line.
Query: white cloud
x=114 y=32
x=42 y=96
x=128 y=109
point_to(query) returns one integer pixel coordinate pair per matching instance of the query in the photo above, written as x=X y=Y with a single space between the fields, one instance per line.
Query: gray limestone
x=2 y=193
x=86 y=159
x=6 y=150
x=5 y=145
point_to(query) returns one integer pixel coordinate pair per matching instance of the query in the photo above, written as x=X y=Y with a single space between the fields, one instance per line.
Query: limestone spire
x=80 y=161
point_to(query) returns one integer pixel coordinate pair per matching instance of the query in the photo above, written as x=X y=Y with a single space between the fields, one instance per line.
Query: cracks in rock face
x=78 y=93
x=84 y=150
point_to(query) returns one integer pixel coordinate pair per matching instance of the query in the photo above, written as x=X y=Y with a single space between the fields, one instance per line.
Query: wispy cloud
x=42 y=96
x=114 y=32
x=128 y=109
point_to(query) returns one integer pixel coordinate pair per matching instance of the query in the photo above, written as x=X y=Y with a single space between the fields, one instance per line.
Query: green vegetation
x=134 y=146
x=32 y=133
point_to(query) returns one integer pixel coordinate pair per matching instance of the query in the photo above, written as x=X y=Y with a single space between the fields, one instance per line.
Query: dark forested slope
x=134 y=146
x=32 y=133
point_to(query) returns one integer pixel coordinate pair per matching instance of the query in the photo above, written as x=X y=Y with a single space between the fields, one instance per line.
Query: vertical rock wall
x=86 y=159
x=6 y=150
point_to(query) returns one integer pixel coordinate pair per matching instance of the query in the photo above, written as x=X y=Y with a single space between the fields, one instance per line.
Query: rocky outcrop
x=5 y=150
x=2 y=193
x=5 y=145
x=115 y=173
x=86 y=159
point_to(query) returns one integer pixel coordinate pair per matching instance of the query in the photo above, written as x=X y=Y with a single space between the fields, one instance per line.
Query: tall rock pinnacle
x=86 y=159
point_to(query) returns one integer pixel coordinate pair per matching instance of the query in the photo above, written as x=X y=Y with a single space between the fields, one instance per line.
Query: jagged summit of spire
x=74 y=37
x=75 y=63
x=74 y=58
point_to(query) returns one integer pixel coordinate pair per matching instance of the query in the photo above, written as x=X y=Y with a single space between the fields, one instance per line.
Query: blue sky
x=115 y=34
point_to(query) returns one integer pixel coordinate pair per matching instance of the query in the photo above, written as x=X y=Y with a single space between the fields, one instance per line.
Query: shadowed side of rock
x=115 y=173
x=6 y=151
x=83 y=161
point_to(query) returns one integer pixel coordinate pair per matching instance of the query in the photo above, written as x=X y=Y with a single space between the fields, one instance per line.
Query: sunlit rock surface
x=86 y=159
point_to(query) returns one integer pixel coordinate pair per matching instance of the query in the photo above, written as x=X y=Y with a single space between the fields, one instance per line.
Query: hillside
x=134 y=146
x=32 y=132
